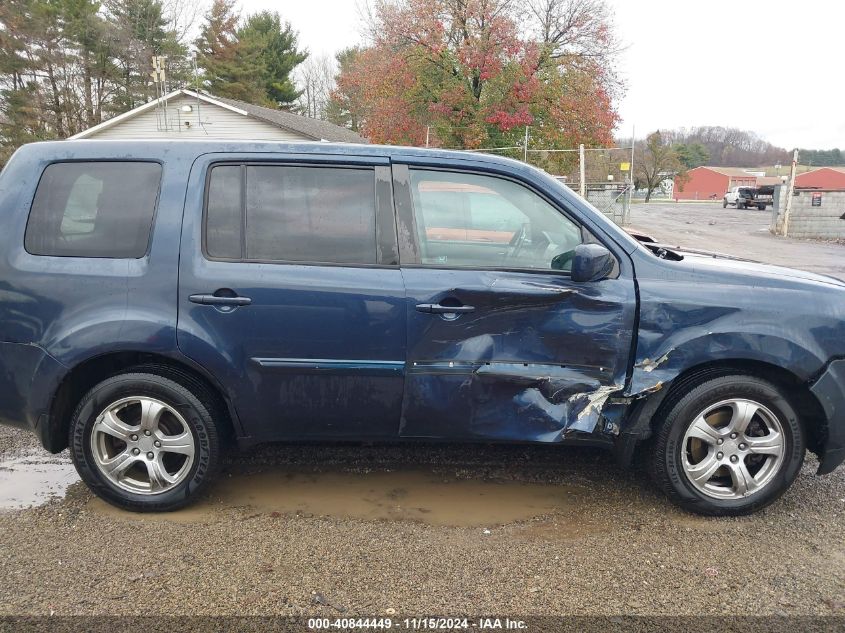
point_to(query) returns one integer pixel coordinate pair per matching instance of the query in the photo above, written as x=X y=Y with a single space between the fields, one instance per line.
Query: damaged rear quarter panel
x=537 y=359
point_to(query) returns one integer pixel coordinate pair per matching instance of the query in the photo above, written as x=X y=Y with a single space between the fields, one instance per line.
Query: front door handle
x=215 y=300
x=436 y=308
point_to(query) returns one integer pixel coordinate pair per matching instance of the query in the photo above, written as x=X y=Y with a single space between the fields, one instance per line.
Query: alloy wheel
x=142 y=445
x=733 y=449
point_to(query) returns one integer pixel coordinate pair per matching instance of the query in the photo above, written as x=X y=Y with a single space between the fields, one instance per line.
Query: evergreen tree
x=66 y=65
x=21 y=119
x=87 y=32
x=692 y=154
x=343 y=106
x=229 y=68
x=15 y=22
x=276 y=47
x=139 y=31
x=821 y=157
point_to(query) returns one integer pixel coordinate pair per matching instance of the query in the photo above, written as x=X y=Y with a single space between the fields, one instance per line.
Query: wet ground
x=429 y=529
x=394 y=495
x=374 y=530
x=33 y=477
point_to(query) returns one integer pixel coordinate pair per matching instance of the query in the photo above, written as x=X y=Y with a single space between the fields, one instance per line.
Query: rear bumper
x=29 y=377
x=829 y=389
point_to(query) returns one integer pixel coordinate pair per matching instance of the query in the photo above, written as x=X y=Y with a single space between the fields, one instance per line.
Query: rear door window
x=94 y=209
x=224 y=225
x=284 y=213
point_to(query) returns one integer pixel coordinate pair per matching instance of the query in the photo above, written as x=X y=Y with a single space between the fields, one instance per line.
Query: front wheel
x=144 y=442
x=724 y=203
x=729 y=446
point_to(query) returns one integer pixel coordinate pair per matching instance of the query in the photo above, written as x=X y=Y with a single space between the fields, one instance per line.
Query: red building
x=703 y=183
x=822 y=178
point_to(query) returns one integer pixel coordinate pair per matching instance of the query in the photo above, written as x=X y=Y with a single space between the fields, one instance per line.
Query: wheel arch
x=85 y=374
x=645 y=412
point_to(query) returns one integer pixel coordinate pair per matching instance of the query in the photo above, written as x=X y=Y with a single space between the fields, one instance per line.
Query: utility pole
x=583 y=171
x=631 y=172
x=790 y=188
x=197 y=86
x=427 y=133
x=525 y=148
x=159 y=76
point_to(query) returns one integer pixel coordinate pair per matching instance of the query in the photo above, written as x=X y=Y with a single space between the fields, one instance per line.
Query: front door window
x=476 y=221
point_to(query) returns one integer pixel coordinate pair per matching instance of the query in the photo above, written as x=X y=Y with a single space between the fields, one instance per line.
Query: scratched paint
x=540 y=358
x=684 y=324
x=700 y=310
x=648 y=365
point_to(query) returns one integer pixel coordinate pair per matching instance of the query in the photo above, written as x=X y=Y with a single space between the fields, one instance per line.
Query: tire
x=762 y=207
x=724 y=203
x=143 y=425
x=739 y=205
x=672 y=459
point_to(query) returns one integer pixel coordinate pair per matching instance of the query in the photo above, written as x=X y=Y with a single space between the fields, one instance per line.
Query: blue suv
x=161 y=300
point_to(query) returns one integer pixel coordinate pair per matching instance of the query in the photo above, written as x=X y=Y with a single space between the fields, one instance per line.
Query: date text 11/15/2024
x=417 y=624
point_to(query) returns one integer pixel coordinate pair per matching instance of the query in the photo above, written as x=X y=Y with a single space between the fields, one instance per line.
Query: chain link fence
x=614 y=201
x=606 y=172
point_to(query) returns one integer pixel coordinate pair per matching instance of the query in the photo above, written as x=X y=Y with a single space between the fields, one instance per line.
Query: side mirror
x=592 y=262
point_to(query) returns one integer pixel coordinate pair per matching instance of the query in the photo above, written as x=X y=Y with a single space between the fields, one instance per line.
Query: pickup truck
x=744 y=197
x=162 y=301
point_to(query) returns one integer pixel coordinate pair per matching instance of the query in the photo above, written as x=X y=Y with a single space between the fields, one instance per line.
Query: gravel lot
x=352 y=530
x=742 y=233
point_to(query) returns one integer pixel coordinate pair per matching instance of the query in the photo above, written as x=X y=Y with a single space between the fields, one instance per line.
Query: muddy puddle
x=32 y=479
x=405 y=496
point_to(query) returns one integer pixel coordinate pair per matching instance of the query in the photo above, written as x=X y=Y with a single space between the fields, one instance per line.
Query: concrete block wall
x=806 y=221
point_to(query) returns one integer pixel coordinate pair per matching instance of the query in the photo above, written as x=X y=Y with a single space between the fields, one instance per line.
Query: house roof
x=313 y=129
x=729 y=171
x=841 y=170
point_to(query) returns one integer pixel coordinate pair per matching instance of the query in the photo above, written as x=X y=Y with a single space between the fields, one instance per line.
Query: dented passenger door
x=502 y=343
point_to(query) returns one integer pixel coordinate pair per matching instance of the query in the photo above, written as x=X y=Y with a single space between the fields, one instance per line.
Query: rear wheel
x=761 y=206
x=144 y=442
x=728 y=446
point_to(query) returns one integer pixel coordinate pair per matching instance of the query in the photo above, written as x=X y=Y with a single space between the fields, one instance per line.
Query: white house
x=191 y=115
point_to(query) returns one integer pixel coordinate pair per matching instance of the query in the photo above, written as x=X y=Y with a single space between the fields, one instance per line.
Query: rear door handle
x=214 y=300
x=436 y=308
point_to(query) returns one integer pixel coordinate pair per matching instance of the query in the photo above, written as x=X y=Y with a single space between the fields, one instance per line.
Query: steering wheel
x=518 y=241
x=563 y=261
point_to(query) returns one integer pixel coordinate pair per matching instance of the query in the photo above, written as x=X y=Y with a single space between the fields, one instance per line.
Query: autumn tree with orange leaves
x=474 y=73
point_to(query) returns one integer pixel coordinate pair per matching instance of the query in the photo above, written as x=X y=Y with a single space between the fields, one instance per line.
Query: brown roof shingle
x=313 y=128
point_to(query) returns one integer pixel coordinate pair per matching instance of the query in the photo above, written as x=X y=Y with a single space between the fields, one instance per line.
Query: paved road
x=744 y=233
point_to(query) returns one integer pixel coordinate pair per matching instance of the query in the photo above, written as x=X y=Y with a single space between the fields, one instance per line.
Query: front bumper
x=829 y=389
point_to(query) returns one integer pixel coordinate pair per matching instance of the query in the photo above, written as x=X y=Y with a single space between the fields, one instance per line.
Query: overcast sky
x=688 y=62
